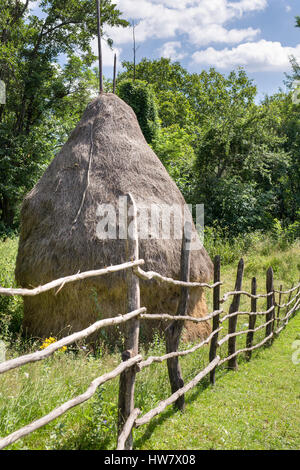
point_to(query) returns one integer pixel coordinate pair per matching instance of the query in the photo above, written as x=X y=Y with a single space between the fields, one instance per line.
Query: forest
x=226 y=146
x=224 y=149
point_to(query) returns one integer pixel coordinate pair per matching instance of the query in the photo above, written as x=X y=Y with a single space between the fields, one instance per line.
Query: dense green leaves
x=140 y=96
x=46 y=63
x=239 y=158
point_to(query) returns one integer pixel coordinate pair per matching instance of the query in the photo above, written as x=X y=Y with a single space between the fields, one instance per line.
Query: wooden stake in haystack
x=98 y=2
x=115 y=74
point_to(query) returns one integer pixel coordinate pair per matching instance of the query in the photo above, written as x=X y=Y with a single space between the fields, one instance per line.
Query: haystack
x=105 y=157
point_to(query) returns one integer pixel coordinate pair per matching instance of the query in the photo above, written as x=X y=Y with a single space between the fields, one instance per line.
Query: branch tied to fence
x=277 y=315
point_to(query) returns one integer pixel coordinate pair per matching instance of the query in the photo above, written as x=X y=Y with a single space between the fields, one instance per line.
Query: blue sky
x=259 y=35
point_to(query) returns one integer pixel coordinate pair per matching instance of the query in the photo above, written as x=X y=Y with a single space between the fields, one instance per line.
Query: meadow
x=256 y=407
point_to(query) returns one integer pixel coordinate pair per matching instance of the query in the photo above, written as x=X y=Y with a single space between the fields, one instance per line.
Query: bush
x=140 y=96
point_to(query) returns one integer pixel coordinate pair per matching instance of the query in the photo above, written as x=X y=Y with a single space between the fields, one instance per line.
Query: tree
x=44 y=98
x=142 y=99
x=221 y=148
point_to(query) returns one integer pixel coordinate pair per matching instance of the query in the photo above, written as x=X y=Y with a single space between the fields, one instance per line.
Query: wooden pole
x=279 y=303
x=173 y=332
x=134 y=50
x=127 y=379
x=216 y=319
x=98 y=2
x=298 y=290
x=232 y=322
x=289 y=299
x=252 y=319
x=270 y=304
x=115 y=73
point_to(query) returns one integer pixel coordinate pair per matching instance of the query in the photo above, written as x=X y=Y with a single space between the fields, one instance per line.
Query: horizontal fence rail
x=147 y=276
x=39 y=355
x=69 y=404
x=172 y=399
x=65 y=280
x=133 y=420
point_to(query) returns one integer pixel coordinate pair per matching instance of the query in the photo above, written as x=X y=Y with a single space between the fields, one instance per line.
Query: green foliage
x=174 y=147
x=29 y=392
x=238 y=158
x=44 y=99
x=141 y=98
x=11 y=308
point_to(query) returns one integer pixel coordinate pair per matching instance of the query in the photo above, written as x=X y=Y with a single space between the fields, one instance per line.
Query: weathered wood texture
x=168 y=317
x=174 y=330
x=69 y=404
x=270 y=305
x=39 y=355
x=133 y=362
x=232 y=323
x=216 y=318
x=127 y=378
x=252 y=319
x=279 y=306
x=149 y=275
x=174 y=397
x=141 y=365
x=240 y=351
x=65 y=280
x=99 y=4
x=127 y=430
x=115 y=74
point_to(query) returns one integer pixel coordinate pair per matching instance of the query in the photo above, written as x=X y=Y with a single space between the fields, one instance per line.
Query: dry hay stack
x=105 y=157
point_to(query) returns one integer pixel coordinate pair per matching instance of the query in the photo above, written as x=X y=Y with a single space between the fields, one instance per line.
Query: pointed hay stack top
x=105 y=157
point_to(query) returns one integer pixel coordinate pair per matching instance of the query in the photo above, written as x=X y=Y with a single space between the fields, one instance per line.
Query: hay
x=105 y=157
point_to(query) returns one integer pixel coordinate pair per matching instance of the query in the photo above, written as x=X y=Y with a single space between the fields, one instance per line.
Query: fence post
x=279 y=303
x=115 y=74
x=173 y=332
x=270 y=304
x=297 y=292
x=289 y=299
x=216 y=318
x=127 y=378
x=252 y=319
x=232 y=323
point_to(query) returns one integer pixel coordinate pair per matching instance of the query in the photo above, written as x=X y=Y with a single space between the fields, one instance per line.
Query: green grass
x=10 y=307
x=256 y=407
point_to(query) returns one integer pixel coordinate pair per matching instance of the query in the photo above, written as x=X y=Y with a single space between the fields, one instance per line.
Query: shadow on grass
x=86 y=439
x=193 y=395
x=169 y=412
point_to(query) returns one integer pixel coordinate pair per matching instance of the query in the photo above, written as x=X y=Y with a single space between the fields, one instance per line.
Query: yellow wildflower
x=49 y=341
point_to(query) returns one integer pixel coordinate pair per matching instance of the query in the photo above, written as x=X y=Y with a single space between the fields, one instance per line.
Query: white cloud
x=172 y=50
x=201 y=21
x=263 y=55
x=107 y=53
x=216 y=33
x=248 y=5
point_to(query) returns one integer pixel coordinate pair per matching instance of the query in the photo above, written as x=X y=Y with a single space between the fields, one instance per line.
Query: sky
x=259 y=35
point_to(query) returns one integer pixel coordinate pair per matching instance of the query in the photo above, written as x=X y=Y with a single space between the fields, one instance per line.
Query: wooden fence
x=275 y=318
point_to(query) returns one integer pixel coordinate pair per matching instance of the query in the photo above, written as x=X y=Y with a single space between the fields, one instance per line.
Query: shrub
x=140 y=96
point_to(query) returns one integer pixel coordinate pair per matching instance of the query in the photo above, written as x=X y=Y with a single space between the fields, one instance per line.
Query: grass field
x=256 y=407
